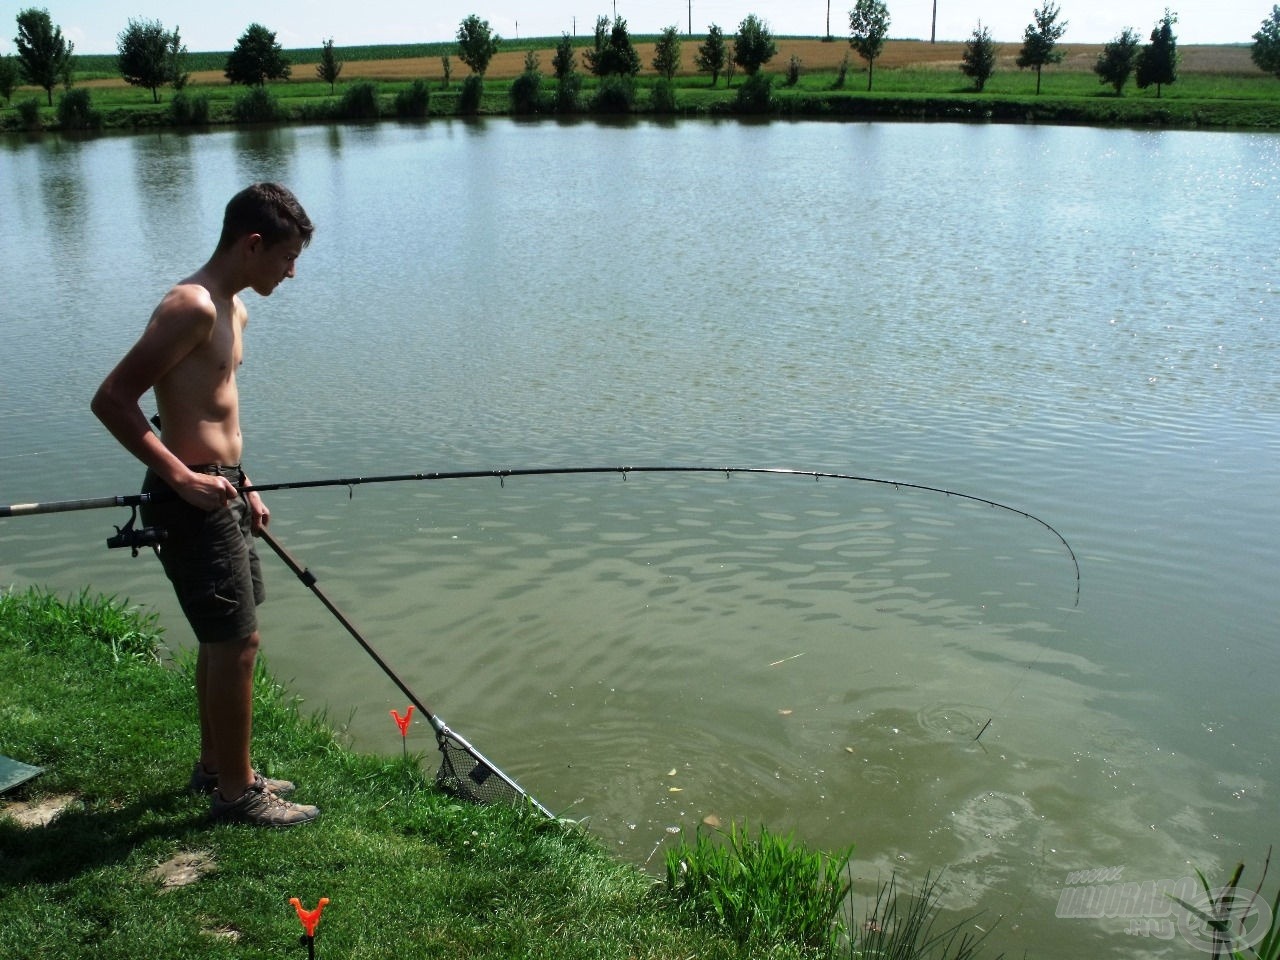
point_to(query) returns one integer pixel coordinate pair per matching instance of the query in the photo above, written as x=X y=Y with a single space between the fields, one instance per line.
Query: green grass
x=763 y=890
x=1054 y=83
x=1200 y=101
x=409 y=872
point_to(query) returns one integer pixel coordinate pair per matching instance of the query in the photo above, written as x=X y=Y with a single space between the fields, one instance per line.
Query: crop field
x=423 y=60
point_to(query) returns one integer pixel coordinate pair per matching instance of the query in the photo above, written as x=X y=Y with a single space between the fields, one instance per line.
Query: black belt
x=233 y=472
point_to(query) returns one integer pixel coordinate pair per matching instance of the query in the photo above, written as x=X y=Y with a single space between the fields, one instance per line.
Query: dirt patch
x=37 y=813
x=182 y=869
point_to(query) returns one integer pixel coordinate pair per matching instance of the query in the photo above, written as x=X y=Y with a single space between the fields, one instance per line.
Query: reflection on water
x=1075 y=322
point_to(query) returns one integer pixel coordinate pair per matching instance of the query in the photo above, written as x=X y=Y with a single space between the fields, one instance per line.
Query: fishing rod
x=130 y=537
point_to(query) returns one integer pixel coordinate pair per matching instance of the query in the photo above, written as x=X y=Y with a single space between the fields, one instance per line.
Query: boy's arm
x=179 y=324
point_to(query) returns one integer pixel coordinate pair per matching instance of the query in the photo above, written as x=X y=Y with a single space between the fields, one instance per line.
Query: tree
x=329 y=66
x=144 y=55
x=177 y=56
x=666 y=53
x=1266 y=44
x=753 y=47
x=613 y=54
x=8 y=77
x=978 y=62
x=712 y=54
x=568 y=83
x=1115 y=62
x=1158 y=61
x=565 y=61
x=1040 y=38
x=601 y=39
x=257 y=58
x=868 y=26
x=477 y=44
x=44 y=55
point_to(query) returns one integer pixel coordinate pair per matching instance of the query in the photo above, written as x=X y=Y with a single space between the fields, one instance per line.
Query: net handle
x=442 y=731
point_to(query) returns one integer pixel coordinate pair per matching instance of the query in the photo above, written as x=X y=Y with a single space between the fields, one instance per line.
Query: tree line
x=151 y=56
x=1154 y=64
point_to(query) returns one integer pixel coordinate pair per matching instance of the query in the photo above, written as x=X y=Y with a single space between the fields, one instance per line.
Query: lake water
x=1078 y=323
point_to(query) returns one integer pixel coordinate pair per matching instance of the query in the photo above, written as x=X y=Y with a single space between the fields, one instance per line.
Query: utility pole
x=828 y=19
x=691 y=18
x=933 y=33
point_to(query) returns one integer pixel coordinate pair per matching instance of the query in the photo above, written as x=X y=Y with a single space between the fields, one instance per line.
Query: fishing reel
x=136 y=538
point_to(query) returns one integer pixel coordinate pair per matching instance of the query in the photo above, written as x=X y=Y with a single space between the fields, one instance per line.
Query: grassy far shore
x=1217 y=87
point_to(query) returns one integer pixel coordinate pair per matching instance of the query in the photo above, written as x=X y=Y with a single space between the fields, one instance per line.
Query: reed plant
x=360 y=101
x=904 y=926
x=1223 y=918
x=189 y=111
x=77 y=112
x=258 y=105
x=763 y=890
x=472 y=95
x=414 y=102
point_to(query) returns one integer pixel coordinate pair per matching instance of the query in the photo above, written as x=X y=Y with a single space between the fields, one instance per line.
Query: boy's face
x=272 y=265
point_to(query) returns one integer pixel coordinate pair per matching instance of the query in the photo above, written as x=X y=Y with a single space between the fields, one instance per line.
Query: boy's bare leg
x=208 y=758
x=224 y=691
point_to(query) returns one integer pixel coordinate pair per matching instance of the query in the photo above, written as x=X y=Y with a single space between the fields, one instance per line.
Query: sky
x=93 y=25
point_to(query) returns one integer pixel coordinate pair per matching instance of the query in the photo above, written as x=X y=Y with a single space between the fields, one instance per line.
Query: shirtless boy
x=188 y=354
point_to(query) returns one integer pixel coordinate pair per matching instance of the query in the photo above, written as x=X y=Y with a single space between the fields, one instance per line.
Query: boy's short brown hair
x=267 y=209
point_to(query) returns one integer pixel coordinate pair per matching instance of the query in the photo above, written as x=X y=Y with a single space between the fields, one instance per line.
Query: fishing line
x=502 y=474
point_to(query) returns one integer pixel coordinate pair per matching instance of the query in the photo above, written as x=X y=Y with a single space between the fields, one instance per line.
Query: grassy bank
x=408 y=871
x=1218 y=87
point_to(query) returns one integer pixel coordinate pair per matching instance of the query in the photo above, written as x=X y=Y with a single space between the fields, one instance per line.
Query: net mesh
x=465 y=774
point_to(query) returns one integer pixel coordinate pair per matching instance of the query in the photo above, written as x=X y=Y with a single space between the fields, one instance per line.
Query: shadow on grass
x=82 y=839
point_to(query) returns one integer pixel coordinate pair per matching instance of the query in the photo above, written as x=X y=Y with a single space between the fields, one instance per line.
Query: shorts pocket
x=210 y=599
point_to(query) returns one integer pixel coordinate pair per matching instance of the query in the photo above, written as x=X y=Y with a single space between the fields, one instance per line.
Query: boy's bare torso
x=197 y=397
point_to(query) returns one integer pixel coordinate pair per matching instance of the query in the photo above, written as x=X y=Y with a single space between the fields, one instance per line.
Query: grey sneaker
x=260 y=807
x=202 y=781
